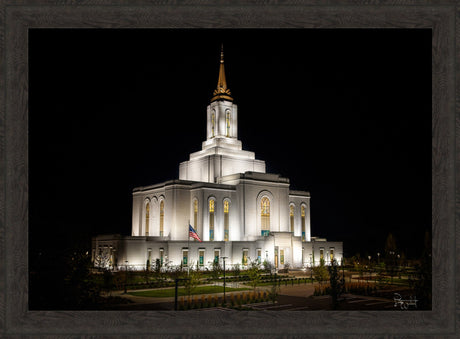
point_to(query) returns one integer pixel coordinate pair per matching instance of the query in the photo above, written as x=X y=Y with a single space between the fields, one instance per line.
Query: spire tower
x=222 y=153
x=222 y=92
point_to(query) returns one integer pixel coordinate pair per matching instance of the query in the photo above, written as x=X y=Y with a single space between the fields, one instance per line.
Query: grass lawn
x=169 y=292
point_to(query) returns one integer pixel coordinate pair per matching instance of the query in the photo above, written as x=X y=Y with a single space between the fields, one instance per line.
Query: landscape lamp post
x=370 y=272
x=270 y=234
x=311 y=269
x=225 y=301
x=126 y=275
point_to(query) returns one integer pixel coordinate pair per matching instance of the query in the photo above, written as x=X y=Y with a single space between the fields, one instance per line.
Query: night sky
x=344 y=114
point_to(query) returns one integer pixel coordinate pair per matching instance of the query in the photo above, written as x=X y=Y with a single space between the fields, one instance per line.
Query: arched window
x=195 y=213
x=213 y=123
x=226 y=221
x=162 y=217
x=291 y=217
x=211 y=220
x=302 y=214
x=265 y=216
x=147 y=218
x=227 y=122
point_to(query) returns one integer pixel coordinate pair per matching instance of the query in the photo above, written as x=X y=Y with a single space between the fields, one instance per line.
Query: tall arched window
x=227 y=122
x=302 y=214
x=147 y=218
x=162 y=217
x=265 y=216
x=211 y=220
x=195 y=213
x=291 y=217
x=226 y=221
x=213 y=123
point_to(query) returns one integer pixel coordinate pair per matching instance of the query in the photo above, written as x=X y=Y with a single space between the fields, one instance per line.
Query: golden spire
x=222 y=92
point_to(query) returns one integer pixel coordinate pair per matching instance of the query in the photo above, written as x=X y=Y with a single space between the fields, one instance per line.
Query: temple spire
x=221 y=92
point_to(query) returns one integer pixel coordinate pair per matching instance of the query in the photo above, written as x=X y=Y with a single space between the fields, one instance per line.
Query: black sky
x=344 y=114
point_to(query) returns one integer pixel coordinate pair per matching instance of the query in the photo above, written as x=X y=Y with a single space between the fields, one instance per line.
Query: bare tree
x=102 y=260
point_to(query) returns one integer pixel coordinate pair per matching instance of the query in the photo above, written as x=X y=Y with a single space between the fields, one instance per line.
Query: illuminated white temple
x=237 y=209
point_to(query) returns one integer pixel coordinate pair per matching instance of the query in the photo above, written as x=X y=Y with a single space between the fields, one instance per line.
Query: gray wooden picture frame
x=20 y=15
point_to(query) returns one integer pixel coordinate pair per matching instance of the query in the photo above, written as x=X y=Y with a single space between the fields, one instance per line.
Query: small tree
x=146 y=275
x=80 y=288
x=423 y=282
x=254 y=274
x=274 y=291
x=390 y=256
x=380 y=273
x=236 y=272
x=337 y=283
x=192 y=280
x=320 y=272
x=268 y=266
x=216 y=270
x=107 y=281
x=287 y=266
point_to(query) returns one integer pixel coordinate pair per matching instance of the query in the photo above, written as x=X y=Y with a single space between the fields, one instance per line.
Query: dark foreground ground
x=291 y=298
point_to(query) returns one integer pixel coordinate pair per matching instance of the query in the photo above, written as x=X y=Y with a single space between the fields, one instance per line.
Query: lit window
x=195 y=213
x=226 y=220
x=216 y=255
x=147 y=218
x=213 y=122
x=184 y=257
x=265 y=216
x=245 y=257
x=201 y=257
x=259 y=255
x=162 y=217
x=331 y=251
x=302 y=214
x=211 y=220
x=227 y=121
x=321 y=253
x=282 y=257
x=291 y=217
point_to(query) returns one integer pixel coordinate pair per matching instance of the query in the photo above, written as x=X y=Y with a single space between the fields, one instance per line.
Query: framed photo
x=338 y=103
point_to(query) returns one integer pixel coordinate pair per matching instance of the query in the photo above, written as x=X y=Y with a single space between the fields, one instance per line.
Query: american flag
x=192 y=233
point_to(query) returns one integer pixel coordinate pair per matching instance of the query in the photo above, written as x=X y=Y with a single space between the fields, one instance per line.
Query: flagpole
x=188 y=249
